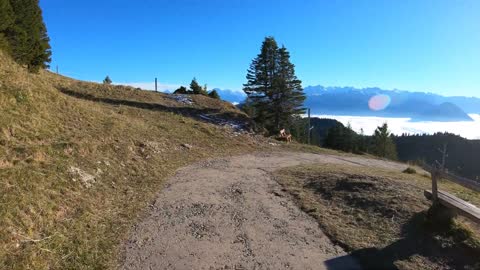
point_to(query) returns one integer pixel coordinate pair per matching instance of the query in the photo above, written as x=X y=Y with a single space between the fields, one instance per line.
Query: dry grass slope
x=79 y=161
x=380 y=216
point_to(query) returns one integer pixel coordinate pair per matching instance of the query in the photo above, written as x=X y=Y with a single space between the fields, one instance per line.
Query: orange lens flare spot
x=379 y=102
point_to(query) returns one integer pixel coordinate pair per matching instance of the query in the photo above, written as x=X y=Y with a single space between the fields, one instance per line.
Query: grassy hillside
x=79 y=161
x=381 y=216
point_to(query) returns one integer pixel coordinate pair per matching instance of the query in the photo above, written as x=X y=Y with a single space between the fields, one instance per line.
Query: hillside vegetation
x=79 y=161
x=463 y=154
x=382 y=218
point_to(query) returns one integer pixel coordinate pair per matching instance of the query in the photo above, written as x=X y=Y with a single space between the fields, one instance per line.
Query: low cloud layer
x=469 y=130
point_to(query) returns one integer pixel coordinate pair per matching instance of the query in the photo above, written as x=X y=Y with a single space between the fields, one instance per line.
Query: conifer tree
x=107 y=80
x=274 y=90
x=331 y=141
x=6 y=21
x=384 y=145
x=197 y=89
x=290 y=96
x=344 y=138
x=6 y=15
x=27 y=36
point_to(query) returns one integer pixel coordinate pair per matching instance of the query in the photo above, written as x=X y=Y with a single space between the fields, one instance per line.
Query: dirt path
x=230 y=214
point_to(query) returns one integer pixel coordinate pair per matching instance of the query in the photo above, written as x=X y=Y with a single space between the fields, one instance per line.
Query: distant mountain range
x=419 y=106
x=231 y=95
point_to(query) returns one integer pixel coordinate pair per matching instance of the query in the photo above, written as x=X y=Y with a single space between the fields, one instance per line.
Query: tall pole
x=309 y=125
x=156 y=88
x=57 y=69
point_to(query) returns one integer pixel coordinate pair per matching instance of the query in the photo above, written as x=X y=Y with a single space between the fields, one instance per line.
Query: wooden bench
x=448 y=200
x=459 y=206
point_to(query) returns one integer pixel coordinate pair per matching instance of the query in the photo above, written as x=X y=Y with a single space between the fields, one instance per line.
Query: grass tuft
x=410 y=170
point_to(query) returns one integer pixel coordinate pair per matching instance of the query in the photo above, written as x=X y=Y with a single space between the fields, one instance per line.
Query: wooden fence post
x=435 y=175
x=437 y=172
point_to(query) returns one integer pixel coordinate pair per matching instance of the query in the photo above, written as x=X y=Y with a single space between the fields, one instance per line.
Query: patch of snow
x=183 y=99
x=238 y=126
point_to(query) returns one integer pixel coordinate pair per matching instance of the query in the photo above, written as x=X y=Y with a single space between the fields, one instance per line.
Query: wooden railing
x=461 y=207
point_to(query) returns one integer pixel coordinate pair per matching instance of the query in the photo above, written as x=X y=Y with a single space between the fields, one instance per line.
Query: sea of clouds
x=469 y=130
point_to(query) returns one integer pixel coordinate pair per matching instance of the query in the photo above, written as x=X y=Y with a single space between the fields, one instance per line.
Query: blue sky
x=423 y=45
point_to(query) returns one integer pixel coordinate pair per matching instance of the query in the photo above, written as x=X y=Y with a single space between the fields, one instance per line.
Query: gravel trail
x=230 y=214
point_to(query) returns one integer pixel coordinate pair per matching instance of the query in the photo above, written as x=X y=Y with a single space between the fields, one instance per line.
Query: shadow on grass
x=428 y=237
x=419 y=237
x=194 y=113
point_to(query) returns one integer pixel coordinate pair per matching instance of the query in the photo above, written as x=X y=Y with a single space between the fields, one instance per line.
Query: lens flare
x=379 y=102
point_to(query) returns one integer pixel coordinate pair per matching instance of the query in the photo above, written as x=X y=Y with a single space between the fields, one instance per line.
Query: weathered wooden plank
x=460 y=206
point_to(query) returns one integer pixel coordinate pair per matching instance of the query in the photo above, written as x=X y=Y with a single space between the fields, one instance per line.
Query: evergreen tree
x=290 y=97
x=463 y=154
x=332 y=136
x=362 y=142
x=6 y=15
x=6 y=21
x=344 y=138
x=107 y=80
x=27 y=37
x=274 y=90
x=384 y=145
x=214 y=94
x=196 y=88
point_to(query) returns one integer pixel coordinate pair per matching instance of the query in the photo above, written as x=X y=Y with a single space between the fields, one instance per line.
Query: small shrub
x=410 y=170
x=21 y=97
x=107 y=80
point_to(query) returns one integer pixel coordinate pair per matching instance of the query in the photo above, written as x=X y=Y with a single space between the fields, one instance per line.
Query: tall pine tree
x=290 y=97
x=27 y=36
x=273 y=89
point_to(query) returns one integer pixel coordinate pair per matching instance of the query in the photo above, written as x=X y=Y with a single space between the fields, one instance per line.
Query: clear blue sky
x=424 y=45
